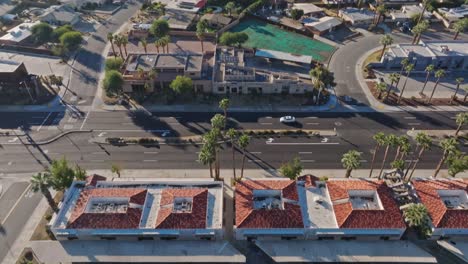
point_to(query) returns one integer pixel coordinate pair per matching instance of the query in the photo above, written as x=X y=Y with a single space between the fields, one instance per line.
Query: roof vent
x=444 y=48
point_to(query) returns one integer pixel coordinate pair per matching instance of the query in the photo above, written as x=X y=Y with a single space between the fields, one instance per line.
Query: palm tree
x=394 y=78
x=124 y=44
x=398 y=164
x=449 y=146
x=429 y=69
x=118 y=41
x=157 y=45
x=404 y=63
x=408 y=70
x=402 y=142
x=424 y=143
x=232 y=134
x=379 y=139
x=211 y=144
x=202 y=25
x=425 y=5
x=390 y=141
x=318 y=85
x=207 y=157
x=381 y=9
x=144 y=43
x=416 y=215
x=224 y=105
x=41 y=182
x=230 y=6
x=385 y=41
x=243 y=142
x=462 y=119
x=438 y=74
x=420 y=28
x=351 y=161
x=460 y=26
x=218 y=121
x=165 y=42
x=110 y=38
x=115 y=168
x=381 y=87
x=458 y=81
x=161 y=42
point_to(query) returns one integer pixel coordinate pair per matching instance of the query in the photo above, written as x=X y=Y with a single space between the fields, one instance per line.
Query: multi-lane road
x=354 y=131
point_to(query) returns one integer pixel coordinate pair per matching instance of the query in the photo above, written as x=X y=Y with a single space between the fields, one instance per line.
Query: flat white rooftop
x=19 y=33
x=132 y=251
x=318 y=208
x=345 y=251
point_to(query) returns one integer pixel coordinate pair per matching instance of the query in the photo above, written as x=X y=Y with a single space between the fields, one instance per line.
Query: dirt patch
x=413 y=101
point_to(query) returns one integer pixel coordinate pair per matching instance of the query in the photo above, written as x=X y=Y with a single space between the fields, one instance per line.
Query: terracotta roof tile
x=167 y=219
x=92 y=180
x=347 y=217
x=309 y=180
x=442 y=217
x=80 y=219
x=248 y=217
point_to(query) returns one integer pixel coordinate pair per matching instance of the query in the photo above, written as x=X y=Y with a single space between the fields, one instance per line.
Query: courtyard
x=263 y=35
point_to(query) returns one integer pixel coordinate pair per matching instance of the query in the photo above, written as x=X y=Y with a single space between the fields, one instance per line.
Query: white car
x=287 y=119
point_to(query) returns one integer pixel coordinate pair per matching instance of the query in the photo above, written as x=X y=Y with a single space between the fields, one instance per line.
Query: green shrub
x=114 y=63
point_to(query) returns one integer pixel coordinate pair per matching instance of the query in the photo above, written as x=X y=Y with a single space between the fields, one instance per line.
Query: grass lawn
x=263 y=35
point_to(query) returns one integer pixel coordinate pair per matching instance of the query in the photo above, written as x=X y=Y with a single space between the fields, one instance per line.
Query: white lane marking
x=312 y=117
x=307 y=160
x=414 y=124
x=305 y=152
x=97 y=160
x=266 y=123
x=98 y=153
x=43 y=122
x=312 y=123
x=16 y=204
x=86 y=119
x=150 y=152
x=284 y=143
x=453 y=117
x=150 y=160
x=255 y=152
x=409 y=117
x=363 y=161
x=268 y=117
x=46 y=151
x=13 y=140
x=102 y=134
x=126 y=124
x=10 y=163
x=255 y=160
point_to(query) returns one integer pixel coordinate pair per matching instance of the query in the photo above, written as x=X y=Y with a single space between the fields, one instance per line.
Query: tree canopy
x=113 y=82
x=41 y=32
x=291 y=169
x=181 y=85
x=58 y=32
x=71 y=40
x=296 y=14
x=159 y=28
x=233 y=38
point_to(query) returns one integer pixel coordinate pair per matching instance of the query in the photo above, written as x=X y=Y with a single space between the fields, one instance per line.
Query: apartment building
x=233 y=75
x=309 y=208
x=449 y=16
x=447 y=204
x=152 y=72
x=140 y=209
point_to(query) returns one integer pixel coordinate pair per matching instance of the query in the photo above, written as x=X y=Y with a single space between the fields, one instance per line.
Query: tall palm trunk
x=388 y=91
x=243 y=163
x=433 y=91
x=383 y=50
x=233 y=161
x=217 y=164
x=397 y=153
x=399 y=78
x=376 y=149
x=113 y=49
x=422 y=13
x=456 y=35
x=416 y=163
x=458 y=130
x=202 y=49
x=455 y=94
x=425 y=82
x=348 y=173
x=466 y=96
x=121 y=53
x=211 y=169
x=50 y=200
x=441 y=162
x=404 y=87
x=383 y=162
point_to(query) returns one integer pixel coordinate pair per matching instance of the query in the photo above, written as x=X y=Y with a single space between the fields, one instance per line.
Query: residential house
x=80 y=3
x=60 y=15
x=150 y=72
x=448 y=16
x=6 y=7
x=451 y=55
x=216 y=20
x=143 y=209
x=18 y=34
x=309 y=9
x=232 y=75
x=446 y=201
x=409 y=11
x=12 y=71
x=356 y=16
x=323 y=25
x=191 y=6
x=346 y=209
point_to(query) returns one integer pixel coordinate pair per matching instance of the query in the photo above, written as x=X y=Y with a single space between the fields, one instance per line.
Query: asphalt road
x=354 y=132
x=87 y=66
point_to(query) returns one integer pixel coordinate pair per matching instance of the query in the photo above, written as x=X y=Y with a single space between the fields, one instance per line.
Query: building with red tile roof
x=313 y=209
x=447 y=204
x=150 y=209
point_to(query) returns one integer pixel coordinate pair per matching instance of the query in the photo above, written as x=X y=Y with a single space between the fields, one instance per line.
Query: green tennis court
x=267 y=36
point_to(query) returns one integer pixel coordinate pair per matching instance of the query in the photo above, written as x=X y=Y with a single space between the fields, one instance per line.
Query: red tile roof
x=80 y=219
x=167 y=219
x=442 y=217
x=309 y=180
x=92 y=180
x=347 y=217
x=248 y=217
